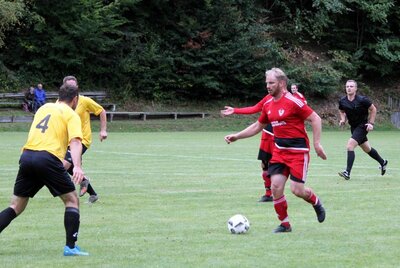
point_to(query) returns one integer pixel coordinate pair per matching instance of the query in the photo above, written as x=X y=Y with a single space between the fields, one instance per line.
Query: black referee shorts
x=359 y=133
x=38 y=169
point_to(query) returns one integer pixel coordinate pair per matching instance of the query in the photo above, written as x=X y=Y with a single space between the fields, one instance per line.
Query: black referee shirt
x=356 y=110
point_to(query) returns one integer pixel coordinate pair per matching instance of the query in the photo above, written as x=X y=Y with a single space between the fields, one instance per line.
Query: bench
x=109 y=106
x=152 y=115
x=16 y=118
x=12 y=100
x=10 y=104
x=98 y=96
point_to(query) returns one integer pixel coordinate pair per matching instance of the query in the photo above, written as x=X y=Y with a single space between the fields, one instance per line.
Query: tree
x=68 y=37
x=10 y=15
x=198 y=49
x=367 y=30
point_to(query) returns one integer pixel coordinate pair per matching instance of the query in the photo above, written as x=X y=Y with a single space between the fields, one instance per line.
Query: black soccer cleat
x=344 y=174
x=265 y=198
x=320 y=211
x=383 y=167
x=282 y=229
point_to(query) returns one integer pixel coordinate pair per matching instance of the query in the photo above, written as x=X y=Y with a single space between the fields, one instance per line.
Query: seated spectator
x=29 y=99
x=40 y=97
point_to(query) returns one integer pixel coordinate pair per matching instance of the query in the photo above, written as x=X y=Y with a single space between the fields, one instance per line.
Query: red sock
x=267 y=183
x=311 y=198
x=281 y=206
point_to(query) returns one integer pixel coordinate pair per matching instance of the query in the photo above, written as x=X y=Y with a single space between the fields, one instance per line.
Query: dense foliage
x=196 y=49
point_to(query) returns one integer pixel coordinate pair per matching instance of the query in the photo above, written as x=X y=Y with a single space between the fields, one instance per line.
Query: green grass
x=214 y=123
x=165 y=198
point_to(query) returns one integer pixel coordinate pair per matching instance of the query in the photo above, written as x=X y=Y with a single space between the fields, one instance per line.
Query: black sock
x=71 y=170
x=350 y=160
x=6 y=216
x=374 y=154
x=90 y=190
x=71 y=224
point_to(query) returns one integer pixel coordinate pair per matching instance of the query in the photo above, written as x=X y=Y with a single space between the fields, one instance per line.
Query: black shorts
x=359 y=133
x=264 y=156
x=280 y=168
x=38 y=169
x=68 y=157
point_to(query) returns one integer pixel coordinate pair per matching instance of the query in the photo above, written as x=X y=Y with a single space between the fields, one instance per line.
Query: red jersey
x=256 y=109
x=300 y=96
x=253 y=109
x=287 y=116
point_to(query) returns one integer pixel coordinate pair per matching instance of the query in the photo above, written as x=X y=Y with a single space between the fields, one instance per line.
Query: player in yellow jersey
x=54 y=126
x=85 y=107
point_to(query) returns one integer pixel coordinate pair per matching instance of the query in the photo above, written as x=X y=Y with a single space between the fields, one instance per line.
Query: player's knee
x=297 y=192
x=277 y=189
x=350 y=147
x=297 y=189
x=70 y=199
x=18 y=208
x=18 y=204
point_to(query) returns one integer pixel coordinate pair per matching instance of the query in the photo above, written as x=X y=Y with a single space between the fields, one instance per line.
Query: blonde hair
x=278 y=73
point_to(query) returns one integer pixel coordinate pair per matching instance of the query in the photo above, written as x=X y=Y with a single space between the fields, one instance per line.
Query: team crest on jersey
x=281 y=112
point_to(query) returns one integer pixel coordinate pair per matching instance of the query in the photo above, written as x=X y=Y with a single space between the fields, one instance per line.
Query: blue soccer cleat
x=76 y=251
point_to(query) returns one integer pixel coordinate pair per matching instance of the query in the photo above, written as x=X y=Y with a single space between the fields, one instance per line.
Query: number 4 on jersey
x=43 y=123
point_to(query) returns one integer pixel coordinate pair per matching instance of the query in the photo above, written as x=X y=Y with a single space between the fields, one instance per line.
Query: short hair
x=67 y=92
x=70 y=77
x=353 y=81
x=278 y=73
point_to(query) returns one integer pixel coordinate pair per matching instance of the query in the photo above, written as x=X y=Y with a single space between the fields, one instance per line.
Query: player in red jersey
x=291 y=152
x=295 y=92
x=266 y=143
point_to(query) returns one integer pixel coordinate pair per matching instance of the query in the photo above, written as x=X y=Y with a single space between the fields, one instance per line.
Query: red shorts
x=267 y=142
x=295 y=164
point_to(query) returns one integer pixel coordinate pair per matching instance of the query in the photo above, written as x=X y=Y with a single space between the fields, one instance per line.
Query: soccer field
x=165 y=199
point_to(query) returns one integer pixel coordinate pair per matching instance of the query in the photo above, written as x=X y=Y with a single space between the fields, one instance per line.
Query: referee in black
x=361 y=113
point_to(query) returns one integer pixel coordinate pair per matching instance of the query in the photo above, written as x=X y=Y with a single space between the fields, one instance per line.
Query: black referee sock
x=71 y=224
x=350 y=160
x=6 y=216
x=374 y=154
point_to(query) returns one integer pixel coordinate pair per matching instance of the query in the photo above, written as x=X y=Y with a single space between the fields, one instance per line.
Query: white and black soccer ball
x=238 y=224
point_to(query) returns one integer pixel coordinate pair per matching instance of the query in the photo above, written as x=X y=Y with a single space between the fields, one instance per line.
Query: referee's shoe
x=383 y=167
x=344 y=174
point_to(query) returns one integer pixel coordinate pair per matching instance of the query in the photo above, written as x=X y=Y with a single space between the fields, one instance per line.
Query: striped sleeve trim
x=294 y=99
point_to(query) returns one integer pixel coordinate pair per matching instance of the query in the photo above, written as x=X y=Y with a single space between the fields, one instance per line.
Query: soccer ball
x=238 y=224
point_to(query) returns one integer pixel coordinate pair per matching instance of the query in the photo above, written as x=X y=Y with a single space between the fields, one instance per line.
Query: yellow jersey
x=85 y=107
x=53 y=127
